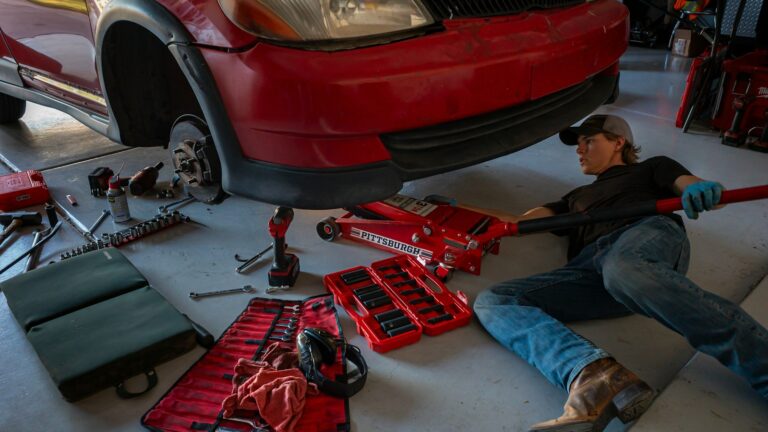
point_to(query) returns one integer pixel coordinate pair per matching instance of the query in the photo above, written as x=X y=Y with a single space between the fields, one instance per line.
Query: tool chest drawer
x=395 y=300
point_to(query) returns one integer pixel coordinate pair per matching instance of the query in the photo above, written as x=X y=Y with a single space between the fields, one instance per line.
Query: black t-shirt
x=617 y=186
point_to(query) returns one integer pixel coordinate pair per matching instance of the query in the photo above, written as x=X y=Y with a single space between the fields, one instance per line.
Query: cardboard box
x=688 y=44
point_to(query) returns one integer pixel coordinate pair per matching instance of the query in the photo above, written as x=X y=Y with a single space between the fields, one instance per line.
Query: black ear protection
x=317 y=346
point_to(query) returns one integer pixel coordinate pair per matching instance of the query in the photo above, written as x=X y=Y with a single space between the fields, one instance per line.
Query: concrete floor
x=458 y=381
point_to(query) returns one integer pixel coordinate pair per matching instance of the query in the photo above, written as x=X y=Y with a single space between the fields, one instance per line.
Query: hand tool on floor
x=35 y=254
x=250 y=262
x=130 y=234
x=145 y=179
x=12 y=221
x=175 y=204
x=96 y=224
x=245 y=289
x=32 y=248
x=285 y=266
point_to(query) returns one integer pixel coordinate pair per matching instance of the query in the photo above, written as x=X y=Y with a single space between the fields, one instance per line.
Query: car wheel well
x=146 y=89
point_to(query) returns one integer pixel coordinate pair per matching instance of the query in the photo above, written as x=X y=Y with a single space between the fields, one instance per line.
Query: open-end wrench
x=245 y=289
x=250 y=262
x=175 y=204
x=274 y=289
x=95 y=226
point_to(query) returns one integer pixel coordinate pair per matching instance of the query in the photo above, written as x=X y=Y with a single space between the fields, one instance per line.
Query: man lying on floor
x=615 y=269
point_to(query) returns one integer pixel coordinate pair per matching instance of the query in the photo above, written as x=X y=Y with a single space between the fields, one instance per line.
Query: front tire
x=11 y=108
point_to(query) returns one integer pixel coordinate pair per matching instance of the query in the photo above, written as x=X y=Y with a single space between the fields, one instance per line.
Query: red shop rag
x=278 y=395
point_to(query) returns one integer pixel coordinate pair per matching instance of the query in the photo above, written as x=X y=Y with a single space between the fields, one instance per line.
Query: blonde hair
x=630 y=153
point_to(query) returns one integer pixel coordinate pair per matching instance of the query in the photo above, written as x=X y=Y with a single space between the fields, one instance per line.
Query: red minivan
x=314 y=103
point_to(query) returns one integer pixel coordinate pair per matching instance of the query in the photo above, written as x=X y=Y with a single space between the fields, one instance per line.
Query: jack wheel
x=328 y=229
x=195 y=160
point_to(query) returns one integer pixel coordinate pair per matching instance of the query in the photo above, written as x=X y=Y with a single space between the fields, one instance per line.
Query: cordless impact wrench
x=285 y=266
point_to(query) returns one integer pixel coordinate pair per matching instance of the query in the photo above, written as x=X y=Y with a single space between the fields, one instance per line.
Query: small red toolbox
x=22 y=189
x=395 y=300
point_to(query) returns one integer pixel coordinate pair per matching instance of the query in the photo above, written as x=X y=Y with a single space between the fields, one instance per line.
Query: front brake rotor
x=195 y=159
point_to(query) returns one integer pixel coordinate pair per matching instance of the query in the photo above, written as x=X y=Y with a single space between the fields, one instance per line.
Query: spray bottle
x=118 y=201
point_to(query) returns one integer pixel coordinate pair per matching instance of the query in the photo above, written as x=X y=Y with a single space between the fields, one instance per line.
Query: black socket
x=395 y=323
x=426 y=298
x=434 y=308
x=421 y=291
x=381 y=301
x=401 y=330
x=388 y=315
x=371 y=295
x=439 y=318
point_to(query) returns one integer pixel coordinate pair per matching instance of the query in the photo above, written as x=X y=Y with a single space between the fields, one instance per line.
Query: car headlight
x=316 y=20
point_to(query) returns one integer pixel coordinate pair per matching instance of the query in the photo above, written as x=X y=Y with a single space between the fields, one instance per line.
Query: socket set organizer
x=395 y=300
x=194 y=402
x=130 y=234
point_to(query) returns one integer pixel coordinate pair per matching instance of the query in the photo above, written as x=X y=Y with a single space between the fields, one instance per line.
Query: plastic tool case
x=22 y=189
x=395 y=300
x=94 y=321
x=194 y=402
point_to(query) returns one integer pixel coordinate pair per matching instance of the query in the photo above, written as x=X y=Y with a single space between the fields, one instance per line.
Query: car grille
x=434 y=149
x=447 y=9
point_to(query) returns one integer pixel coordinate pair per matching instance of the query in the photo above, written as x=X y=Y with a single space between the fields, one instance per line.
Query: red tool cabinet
x=744 y=98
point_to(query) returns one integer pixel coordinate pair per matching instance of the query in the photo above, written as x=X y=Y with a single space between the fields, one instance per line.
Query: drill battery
x=98 y=180
x=23 y=189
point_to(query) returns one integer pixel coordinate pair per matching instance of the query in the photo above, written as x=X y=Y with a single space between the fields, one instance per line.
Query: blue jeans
x=636 y=269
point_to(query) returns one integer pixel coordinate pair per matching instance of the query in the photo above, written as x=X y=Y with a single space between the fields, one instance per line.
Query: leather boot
x=604 y=389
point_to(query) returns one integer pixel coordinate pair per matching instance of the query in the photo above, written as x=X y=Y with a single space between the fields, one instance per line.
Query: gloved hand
x=440 y=199
x=701 y=196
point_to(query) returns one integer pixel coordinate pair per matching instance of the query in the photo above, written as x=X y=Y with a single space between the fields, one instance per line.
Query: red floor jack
x=285 y=266
x=440 y=236
x=446 y=238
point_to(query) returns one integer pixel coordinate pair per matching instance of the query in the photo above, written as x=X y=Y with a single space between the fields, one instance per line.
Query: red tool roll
x=194 y=402
x=395 y=300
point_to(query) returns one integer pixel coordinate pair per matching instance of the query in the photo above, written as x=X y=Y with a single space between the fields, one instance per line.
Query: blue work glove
x=440 y=199
x=700 y=197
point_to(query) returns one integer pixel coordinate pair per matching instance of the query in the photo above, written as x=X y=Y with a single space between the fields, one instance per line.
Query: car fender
x=159 y=21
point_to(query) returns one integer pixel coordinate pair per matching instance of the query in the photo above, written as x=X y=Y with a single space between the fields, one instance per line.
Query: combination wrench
x=245 y=289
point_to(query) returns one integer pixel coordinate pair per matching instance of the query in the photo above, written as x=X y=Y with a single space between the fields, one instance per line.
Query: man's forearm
x=684 y=181
x=535 y=213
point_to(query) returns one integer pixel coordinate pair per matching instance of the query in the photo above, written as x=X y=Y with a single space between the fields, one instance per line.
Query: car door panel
x=52 y=42
x=9 y=70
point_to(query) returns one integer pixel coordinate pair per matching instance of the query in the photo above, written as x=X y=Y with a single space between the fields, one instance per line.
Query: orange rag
x=277 y=394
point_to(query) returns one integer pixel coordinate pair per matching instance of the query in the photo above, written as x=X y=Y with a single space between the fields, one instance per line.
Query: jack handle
x=647 y=208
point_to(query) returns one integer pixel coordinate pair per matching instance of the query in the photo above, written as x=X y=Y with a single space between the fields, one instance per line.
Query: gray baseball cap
x=597 y=124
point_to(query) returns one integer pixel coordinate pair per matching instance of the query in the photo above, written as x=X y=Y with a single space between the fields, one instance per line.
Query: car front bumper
x=345 y=127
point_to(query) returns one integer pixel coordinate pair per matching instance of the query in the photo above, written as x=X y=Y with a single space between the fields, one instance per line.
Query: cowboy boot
x=604 y=389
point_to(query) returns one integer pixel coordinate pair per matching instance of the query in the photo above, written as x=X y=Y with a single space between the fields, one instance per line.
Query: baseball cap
x=597 y=124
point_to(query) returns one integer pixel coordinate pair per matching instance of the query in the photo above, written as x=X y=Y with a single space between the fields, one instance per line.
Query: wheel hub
x=195 y=160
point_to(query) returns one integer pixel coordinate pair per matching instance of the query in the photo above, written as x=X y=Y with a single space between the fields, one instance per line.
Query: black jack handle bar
x=647 y=208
